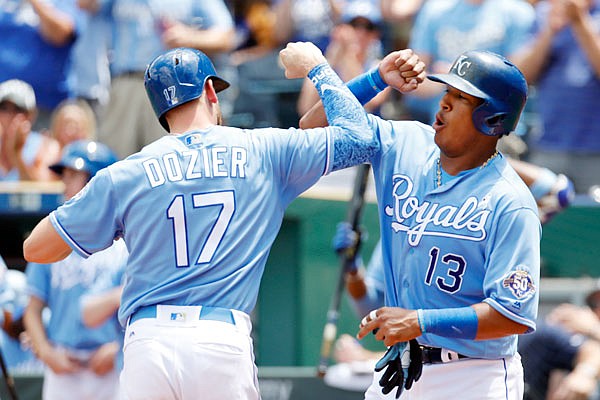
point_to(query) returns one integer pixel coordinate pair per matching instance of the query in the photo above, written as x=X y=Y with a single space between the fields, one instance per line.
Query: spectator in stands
x=562 y=60
x=354 y=47
x=255 y=30
x=24 y=154
x=18 y=357
x=78 y=359
x=89 y=73
x=398 y=18
x=306 y=20
x=100 y=306
x=443 y=29
x=400 y=10
x=559 y=365
x=72 y=120
x=37 y=37
x=141 y=30
x=565 y=356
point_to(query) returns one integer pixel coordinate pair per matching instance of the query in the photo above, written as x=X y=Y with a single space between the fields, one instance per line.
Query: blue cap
x=85 y=155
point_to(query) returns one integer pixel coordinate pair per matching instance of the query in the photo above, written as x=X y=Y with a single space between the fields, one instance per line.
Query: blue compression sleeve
x=449 y=322
x=367 y=85
x=353 y=140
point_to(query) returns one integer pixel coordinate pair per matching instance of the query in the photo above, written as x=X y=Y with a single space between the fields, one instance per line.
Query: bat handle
x=329 y=333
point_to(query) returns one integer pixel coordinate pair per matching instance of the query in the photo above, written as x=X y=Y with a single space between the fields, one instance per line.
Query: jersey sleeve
x=88 y=221
x=512 y=278
x=38 y=280
x=298 y=157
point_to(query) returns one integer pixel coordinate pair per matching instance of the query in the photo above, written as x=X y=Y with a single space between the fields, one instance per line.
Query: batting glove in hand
x=403 y=363
x=345 y=237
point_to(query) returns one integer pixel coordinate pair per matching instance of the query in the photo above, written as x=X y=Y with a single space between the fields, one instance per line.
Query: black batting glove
x=403 y=364
x=415 y=366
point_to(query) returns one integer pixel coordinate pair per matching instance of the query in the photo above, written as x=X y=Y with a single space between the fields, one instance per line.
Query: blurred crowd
x=73 y=69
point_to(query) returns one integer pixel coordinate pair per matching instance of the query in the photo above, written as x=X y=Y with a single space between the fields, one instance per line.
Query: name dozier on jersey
x=214 y=162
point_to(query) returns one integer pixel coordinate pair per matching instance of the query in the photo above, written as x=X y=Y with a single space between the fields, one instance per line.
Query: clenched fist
x=402 y=70
x=299 y=58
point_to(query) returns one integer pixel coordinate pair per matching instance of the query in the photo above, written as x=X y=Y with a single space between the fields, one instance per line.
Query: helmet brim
x=57 y=168
x=458 y=83
x=219 y=83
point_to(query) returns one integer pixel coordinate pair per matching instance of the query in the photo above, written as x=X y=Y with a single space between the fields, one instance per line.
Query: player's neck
x=185 y=119
x=456 y=165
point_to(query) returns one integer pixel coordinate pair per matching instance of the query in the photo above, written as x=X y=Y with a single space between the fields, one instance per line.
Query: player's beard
x=219 y=116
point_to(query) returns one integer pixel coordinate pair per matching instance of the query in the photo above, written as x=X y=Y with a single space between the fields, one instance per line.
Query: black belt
x=433 y=355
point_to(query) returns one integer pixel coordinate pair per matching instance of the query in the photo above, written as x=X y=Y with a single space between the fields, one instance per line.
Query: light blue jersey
x=62 y=285
x=374 y=298
x=199 y=211
x=474 y=239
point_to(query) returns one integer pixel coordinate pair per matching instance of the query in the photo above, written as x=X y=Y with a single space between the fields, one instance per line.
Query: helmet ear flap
x=489 y=121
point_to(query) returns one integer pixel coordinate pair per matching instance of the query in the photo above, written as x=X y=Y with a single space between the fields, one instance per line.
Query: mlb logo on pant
x=177 y=316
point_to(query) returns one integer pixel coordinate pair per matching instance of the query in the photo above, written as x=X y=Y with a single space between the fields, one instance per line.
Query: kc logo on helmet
x=461 y=65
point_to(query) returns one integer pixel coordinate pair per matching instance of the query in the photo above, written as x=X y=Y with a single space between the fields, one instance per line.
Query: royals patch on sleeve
x=520 y=283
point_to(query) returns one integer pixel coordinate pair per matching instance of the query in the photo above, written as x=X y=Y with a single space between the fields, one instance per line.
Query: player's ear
x=210 y=91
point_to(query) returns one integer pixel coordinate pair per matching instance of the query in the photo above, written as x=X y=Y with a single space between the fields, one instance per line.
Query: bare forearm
x=32 y=319
x=589 y=41
x=212 y=40
x=532 y=60
x=44 y=244
x=99 y=308
x=283 y=27
x=493 y=325
x=55 y=26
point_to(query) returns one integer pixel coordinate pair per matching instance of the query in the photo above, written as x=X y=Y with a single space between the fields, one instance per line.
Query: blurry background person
x=354 y=47
x=443 y=29
x=24 y=154
x=89 y=72
x=37 y=38
x=140 y=30
x=18 y=357
x=78 y=358
x=306 y=20
x=562 y=61
x=72 y=120
x=559 y=365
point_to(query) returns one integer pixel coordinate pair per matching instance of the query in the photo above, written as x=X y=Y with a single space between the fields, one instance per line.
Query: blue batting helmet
x=178 y=76
x=85 y=155
x=494 y=79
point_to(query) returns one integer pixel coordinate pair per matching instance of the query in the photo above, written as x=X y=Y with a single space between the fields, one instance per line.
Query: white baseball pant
x=465 y=379
x=178 y=355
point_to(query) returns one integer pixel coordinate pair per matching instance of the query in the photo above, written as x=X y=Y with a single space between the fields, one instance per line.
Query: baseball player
x=199 y=209
x=460 y=237
x=79 y=360
x=17 y=355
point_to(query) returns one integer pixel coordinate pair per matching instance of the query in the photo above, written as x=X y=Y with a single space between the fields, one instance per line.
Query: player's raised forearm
x=353 y=141
x=403 y=70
